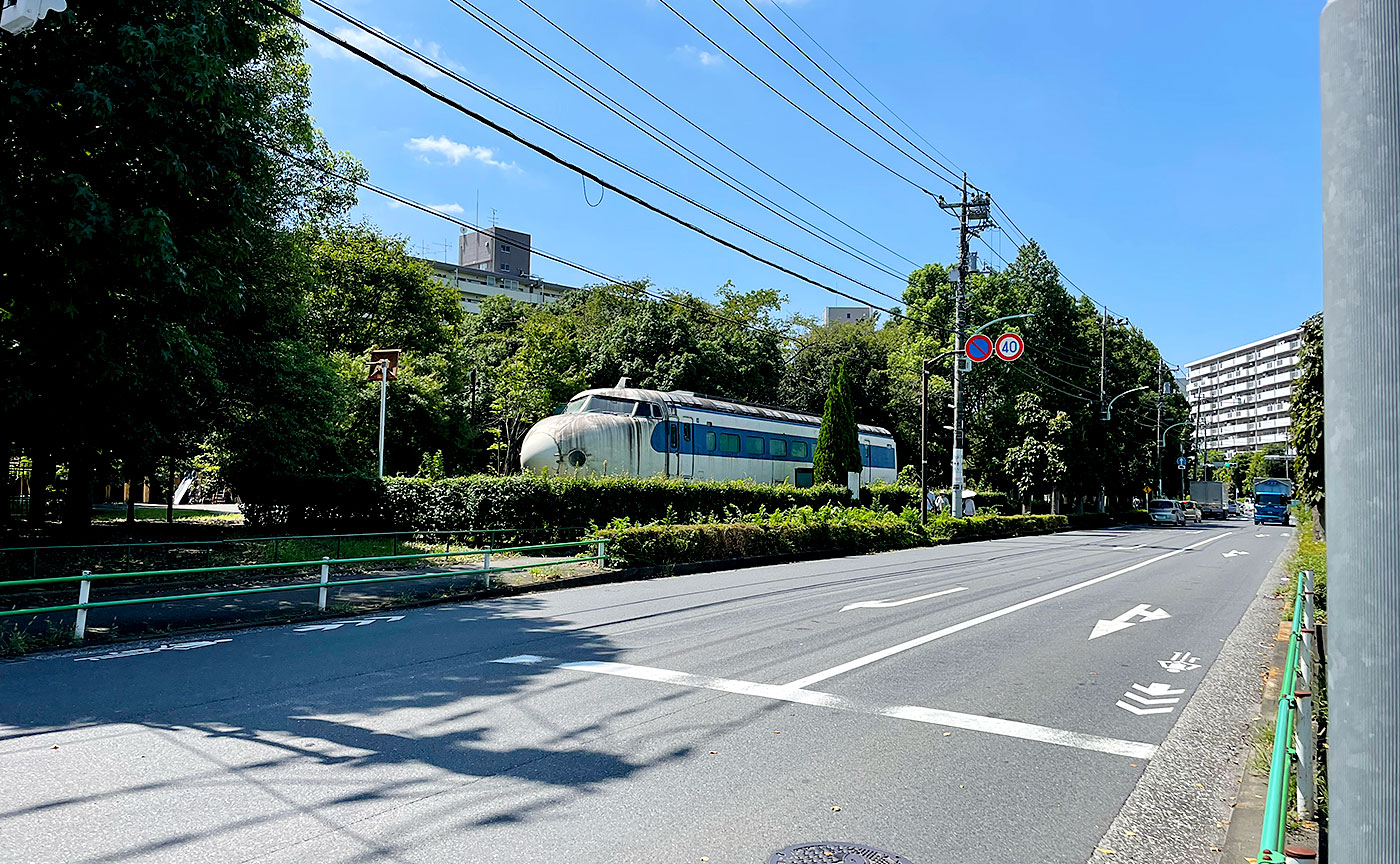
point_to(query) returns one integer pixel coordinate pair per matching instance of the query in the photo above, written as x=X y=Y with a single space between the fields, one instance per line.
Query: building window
x=505 y=247
x=505 y=268
x=728 y=442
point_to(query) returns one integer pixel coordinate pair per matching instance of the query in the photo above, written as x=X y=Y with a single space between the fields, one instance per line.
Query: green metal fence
x=12 y=556
x=322 y=585
x=1295 y=741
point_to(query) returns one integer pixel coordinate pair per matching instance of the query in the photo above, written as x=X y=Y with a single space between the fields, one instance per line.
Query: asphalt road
x=964 y=714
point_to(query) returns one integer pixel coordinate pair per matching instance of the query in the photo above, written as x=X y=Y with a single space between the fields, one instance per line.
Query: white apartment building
x=475 y=285
x=1239 y=398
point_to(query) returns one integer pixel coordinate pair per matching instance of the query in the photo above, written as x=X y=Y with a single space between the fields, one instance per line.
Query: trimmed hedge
x=805 y=530
x=891 y=496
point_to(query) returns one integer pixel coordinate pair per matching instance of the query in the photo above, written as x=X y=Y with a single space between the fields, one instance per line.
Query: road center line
x=890 y=604
x=915 y=713
x=802 y=683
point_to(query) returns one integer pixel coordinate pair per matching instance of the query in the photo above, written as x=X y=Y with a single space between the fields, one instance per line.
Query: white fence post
x=322 y=592
x=602 y=554
x=486 y=565
x=1305 y=741
x=80 y=620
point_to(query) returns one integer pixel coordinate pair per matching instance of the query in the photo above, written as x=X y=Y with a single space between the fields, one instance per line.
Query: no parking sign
x=979 y=348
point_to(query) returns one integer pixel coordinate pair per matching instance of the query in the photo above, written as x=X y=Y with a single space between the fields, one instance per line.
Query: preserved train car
x=677 y=433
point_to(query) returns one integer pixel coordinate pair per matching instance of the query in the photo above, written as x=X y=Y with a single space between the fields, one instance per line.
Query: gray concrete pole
x=1360 y=65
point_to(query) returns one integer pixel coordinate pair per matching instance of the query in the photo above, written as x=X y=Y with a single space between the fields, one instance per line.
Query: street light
x=1108 y=409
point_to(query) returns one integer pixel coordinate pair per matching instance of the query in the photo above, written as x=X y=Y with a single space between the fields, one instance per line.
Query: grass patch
x=1311 y=554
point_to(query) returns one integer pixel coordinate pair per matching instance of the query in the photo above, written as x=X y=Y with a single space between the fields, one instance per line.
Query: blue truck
x=1272 y=498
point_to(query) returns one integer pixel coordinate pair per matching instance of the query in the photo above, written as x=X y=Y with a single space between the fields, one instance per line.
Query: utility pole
x=1157 y=439
x=923 y=442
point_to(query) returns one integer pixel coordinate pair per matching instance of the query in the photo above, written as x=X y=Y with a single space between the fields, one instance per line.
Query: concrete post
x=323 y=591
x=1360 y=72
x=80 y=620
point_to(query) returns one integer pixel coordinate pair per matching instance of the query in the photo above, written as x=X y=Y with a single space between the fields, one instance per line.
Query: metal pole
x=486 y=565
x=923 y=442
x=1158 y=441
x=957 y=484
x=1360 y=66
x=383 y=404
x=80 y=620
x=325 y=577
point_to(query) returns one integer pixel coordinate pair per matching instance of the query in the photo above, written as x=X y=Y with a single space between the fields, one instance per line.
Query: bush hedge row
x=806 y=530
x=896 y=497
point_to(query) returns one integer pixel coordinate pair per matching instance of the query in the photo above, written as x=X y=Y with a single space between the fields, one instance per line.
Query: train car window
x=799 y=450
x=656 y=411
x=575 y=406
x=710 y=441
x=609 y=405
x=753 y=446
x=777 y=447
x=685 y=431
x=728 y=442
x=674 y=435
x=642 y=410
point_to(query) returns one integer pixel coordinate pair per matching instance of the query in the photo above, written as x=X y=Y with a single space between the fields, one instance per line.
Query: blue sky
x=1165 y=155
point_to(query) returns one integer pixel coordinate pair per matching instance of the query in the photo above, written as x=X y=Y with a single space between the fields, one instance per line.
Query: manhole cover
x=835 y=853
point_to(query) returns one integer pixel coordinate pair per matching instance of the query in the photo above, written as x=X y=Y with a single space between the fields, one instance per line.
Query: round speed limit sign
x=1010 y=346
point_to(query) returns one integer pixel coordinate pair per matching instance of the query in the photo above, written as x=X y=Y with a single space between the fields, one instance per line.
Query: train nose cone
x=540 y=449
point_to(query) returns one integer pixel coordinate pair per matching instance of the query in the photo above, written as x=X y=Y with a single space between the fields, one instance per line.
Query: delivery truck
x=1213 y=497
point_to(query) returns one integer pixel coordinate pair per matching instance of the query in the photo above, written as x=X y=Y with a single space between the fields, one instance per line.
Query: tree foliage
x=1306 y=408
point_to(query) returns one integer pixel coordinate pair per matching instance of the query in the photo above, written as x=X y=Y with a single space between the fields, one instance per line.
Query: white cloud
x=454 y=209
x=694 y=55
x=386 y=52
x=455 y=152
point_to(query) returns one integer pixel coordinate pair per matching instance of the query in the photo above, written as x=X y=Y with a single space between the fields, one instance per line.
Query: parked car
x=1232 y=510
x=1163 y=511
x=1191 y=510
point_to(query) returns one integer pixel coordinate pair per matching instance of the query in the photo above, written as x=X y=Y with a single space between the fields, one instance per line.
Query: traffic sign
x=1181 y=461
x=1010 y=346
x=979 y=348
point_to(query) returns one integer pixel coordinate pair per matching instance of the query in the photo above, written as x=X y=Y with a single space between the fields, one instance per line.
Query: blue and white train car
x=644 y=433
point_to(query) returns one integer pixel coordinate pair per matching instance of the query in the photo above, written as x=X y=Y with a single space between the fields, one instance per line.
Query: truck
x=1213 y=496
x=1272 y=498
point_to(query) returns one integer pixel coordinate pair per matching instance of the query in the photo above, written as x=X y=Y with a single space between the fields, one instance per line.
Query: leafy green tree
x=838 y=442
x=531 y=384
x=1039 y=460
x=1306 y=407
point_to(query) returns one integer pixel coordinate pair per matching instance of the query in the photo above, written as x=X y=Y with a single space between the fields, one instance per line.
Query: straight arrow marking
x=1136 y=698
x=1156 y=689
x=890 y=604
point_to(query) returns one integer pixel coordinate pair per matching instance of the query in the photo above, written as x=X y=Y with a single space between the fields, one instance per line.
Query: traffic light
x=16 y=16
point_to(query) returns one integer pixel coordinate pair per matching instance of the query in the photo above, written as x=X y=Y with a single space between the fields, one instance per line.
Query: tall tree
x=838 y=443
x=1306 y=407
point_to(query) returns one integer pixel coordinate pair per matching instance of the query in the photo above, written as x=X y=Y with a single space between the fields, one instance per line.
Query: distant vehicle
x=1272 y=498
x=1232 y=510
x=1163 y=510
x=645 y=433
x=1191 y=510
x=1213 y=496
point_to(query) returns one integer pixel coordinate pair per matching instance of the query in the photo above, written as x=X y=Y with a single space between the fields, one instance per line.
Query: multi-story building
x=846 y=313
x=497 y=250
x=1239 y=398
x=476 y=284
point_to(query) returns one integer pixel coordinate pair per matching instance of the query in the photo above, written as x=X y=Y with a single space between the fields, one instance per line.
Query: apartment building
x=1239 y=398
x=475 y=284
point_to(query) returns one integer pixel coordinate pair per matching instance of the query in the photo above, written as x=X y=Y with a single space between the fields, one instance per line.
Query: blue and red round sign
x=979 y=348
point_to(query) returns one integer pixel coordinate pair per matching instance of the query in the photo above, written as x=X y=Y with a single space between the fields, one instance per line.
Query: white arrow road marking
x=1261 y=535
x=521 y=659
x=336 y=625
x=1182 y=661
x=1233 y=553
x=1136 y=698
x=1127 y=548
x=914 y=713
x=136 y=652
x=1155 y=689
x=890 y=604
x=991 y=616
x=1124 y=621
x=1140 y=711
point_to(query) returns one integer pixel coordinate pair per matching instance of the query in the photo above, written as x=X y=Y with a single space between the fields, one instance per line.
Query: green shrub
x=946 y=529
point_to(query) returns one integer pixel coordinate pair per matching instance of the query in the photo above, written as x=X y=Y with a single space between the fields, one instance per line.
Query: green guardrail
x=210 y=546
x=1294 y=752
x=324 y=583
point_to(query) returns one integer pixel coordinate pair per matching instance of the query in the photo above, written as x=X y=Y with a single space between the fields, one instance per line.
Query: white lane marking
x=1140 y=711
x=1233 y=553
x=990 y=616
x=933 y=716
x=521 y=659
x=1155 y=689
x=336 y=625
x=890 y=604
x=136 y=652
x=1284 y=534
x=1261 y=535
x=1124 y=621
x=1127 y=548
x=1144 y=700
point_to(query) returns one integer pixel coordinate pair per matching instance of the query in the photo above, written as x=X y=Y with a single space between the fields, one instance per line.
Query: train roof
x=702 y=401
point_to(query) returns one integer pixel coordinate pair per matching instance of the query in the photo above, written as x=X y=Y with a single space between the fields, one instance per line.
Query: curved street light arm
x=1170 y=428
x=998 y=321
x=1108 y=410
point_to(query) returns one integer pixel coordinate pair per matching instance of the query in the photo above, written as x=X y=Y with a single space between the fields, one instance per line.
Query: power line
x=664 y=104
x=852 y=76
x=550 y=155
x=637 y=122
x=955 y=180
x=833 y=80
x=804 y=111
